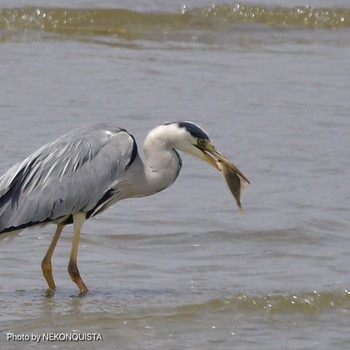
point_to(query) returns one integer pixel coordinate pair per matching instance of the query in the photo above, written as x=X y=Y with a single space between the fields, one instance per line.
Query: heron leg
x=46 y=263
x=78 y=220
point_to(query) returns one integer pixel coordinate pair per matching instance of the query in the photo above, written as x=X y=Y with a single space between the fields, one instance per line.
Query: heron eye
x=201 y=142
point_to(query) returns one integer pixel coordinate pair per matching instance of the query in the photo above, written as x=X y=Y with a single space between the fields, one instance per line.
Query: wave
x=132 y=24
x=302 y=302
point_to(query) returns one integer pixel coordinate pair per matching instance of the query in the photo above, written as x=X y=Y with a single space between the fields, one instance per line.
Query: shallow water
x=183 y=268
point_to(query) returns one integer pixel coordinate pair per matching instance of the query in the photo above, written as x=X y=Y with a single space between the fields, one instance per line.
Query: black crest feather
x=194 y=130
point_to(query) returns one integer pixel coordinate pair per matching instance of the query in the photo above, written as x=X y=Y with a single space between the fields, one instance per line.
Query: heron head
x=199 y=144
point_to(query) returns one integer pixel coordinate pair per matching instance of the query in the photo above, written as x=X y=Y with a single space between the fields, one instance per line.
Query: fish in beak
x=235 y=179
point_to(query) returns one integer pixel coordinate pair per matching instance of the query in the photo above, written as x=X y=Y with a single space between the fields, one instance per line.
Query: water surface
x=184 y=269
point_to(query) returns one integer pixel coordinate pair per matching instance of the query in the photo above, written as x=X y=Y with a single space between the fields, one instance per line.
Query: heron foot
x=75 y=276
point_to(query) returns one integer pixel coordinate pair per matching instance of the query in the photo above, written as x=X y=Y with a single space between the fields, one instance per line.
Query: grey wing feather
x=69 y=175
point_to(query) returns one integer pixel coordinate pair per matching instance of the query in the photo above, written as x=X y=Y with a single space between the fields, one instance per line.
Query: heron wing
x=74 y=173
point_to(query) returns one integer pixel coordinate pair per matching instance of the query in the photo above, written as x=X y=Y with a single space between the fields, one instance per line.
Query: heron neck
x=162 y=166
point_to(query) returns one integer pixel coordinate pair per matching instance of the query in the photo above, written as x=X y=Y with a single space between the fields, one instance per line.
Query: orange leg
x=78 y=220
x=46 y=263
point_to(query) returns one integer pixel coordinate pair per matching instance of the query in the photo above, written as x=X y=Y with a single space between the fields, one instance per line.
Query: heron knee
x=46 y=266
x=47 y=272
x=73 y=270
x=75 y=276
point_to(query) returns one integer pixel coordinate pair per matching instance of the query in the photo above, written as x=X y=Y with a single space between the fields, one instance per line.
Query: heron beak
x=214 y=157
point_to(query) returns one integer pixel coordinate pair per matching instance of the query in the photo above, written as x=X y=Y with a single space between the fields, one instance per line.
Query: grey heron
x=87 y=170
